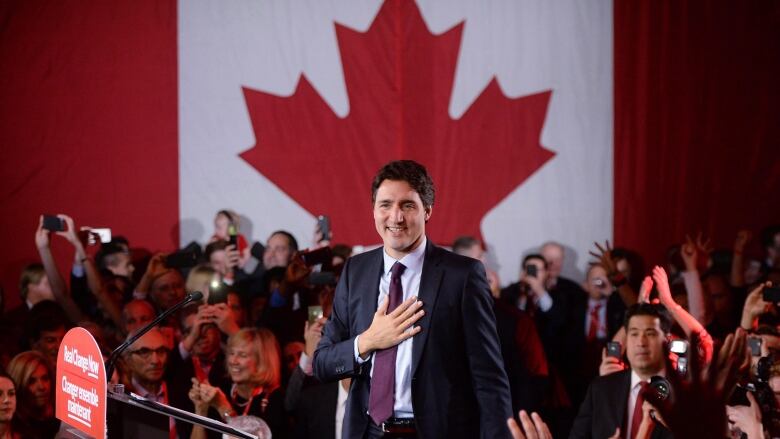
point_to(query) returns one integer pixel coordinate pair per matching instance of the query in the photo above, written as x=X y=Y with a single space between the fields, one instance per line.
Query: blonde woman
x=253 y=363
x=34 y=379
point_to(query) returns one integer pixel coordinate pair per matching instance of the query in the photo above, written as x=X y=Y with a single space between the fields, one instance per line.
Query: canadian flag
x=287 y=110
x=149 y=116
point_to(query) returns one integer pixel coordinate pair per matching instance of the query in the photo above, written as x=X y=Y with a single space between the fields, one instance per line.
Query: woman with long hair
x=34 y=379
x=8 y=428
x=253 y=363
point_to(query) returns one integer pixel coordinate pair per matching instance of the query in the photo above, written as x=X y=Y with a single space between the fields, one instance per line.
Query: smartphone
x=324 y=224
x=755 y=346
x=613 y=349
x=323 y=255
x=181 y=259
x=233 y=236
x=772 y=294
x=217 y=293
x=104 y=234
x=53 y=223
x=682 y=365
x=679 y=347
x=530 y=270
x=315 y=313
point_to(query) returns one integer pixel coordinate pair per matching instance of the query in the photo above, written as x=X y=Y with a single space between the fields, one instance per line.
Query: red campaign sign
x=81 y=383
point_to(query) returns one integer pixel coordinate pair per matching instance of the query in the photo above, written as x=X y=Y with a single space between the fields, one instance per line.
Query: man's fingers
x=409 y=334
x=403 y=307
x=541 y=427
x=528 y=425
x=601 y=249
x=411 y=310
x=514 y=429
x=415 y=317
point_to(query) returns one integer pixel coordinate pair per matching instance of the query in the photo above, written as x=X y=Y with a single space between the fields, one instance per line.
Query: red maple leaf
x=399 y=79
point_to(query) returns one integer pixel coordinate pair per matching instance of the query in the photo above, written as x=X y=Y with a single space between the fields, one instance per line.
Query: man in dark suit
x=442 y=377
x=617 y=400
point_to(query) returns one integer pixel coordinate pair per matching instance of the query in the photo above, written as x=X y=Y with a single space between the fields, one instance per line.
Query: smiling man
x=413 y=326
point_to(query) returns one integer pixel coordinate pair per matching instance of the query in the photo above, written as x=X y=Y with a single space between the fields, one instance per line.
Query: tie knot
x=397 y=270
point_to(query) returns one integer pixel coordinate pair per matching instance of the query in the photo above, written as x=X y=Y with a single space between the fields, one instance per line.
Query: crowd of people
x=624 y=352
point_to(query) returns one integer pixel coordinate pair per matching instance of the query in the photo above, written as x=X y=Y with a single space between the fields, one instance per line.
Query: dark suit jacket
x=604 y=409
x=459 y=387
x=313 y=404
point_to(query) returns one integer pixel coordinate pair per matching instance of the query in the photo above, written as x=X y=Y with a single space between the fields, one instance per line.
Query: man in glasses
x=146 y=360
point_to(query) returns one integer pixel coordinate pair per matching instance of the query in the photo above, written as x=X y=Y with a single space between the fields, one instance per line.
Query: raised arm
x=58 y=287
x=693 y=286
x=624 y=289
x=738 y=259
x=687 y=322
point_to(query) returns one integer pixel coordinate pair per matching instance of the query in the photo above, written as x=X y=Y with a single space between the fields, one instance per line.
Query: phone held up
x=53 y=223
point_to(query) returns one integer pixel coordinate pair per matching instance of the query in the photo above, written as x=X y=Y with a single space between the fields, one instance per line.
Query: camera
x=660 y=389
x=323 y=255
x=613 y=349
x=530 y=270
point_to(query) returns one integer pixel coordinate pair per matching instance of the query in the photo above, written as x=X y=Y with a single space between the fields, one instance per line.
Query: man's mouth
x=397 y=229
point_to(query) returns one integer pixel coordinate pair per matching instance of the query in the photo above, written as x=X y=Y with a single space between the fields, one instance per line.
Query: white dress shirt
x=410 y=283
x=341 y=407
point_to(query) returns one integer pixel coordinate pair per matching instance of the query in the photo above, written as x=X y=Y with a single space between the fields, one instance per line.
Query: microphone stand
x=110 y=363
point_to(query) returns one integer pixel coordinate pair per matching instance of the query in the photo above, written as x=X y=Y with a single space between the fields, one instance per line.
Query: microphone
x=197 y=295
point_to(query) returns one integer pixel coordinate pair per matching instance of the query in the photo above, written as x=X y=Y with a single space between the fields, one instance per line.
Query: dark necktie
x=382 y=396
x=636 y=417
x=593 y=330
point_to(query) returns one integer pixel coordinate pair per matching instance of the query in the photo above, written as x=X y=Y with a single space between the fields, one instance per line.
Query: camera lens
x=661 y=387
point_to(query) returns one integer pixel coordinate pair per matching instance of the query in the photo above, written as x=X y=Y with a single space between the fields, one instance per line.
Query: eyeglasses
x=146 y=353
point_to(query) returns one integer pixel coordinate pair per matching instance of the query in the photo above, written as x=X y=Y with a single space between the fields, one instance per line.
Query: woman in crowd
x=253 y=362
x=7 y=408
x=34 y=379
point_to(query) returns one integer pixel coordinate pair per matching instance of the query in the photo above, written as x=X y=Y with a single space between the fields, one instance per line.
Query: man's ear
x=428 y=211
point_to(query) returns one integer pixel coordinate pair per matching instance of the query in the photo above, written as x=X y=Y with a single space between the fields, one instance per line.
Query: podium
x=93 y=409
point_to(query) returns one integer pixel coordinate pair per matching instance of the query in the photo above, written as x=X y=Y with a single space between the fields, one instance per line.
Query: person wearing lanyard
x=255 y=373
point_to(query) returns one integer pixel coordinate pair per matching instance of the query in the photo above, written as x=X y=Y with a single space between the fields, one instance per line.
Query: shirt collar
x=413 y=261
x=146 y=393
x=635 y=379
x=593 y=302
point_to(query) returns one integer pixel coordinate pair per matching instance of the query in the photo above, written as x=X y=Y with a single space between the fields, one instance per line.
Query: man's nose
x=397 y=214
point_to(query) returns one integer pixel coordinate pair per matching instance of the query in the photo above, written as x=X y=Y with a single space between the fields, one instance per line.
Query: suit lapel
x=620 y=398
x=368 y=290
x=429 y=290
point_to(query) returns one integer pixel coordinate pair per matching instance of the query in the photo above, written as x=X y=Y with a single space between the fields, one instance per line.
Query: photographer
x=618 y=397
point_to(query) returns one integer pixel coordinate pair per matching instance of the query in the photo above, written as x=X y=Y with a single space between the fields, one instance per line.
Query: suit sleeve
x=583 y=423
x=490 y=382
x=334 y=357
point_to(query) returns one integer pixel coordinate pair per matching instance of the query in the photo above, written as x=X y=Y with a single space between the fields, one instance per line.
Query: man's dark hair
x=535 y=256
x=652 y=310
x=106 y=256
x=291 y=241
x=411 y=172
x=464 y=243
x=215 y=246
x=45 y=316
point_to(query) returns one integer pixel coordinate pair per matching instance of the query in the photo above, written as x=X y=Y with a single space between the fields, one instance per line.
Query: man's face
x=554 y=257
x=218 y=261
x=208 y=341
x=541 y=272
x=39 y=291
x=475 y=251
x=233 y=302
x=123 y=266
x=399 y=217
x=39 y=386
x=137 y=314
x=645 y=344
x=167 y=290
x=277 y=252
x=292 y=354
x=49 y=343
x=597 y=284
x=147 y=357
